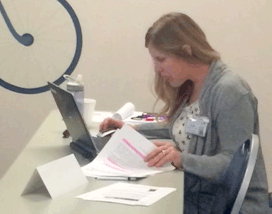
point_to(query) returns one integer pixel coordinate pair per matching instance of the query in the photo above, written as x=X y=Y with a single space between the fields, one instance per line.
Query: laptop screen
x=73 y=120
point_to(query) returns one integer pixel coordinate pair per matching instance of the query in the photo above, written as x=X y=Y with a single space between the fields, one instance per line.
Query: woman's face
x=174 y=70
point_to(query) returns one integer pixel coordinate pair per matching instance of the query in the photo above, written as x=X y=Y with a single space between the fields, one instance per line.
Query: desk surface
x=47 y=145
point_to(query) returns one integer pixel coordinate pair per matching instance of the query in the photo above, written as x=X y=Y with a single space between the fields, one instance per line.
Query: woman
x=210 y=110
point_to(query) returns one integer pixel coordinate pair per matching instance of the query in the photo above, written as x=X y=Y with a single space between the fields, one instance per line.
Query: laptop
x=82 y=141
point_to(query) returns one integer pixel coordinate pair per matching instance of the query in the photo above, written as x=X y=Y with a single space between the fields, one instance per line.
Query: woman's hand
x=109 y=124
x=165 y=152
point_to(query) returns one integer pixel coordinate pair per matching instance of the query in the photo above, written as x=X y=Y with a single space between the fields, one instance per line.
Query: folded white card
x=59 y=176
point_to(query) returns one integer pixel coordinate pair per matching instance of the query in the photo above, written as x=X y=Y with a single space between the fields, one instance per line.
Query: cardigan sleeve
x=233 y=125
x=159 y=130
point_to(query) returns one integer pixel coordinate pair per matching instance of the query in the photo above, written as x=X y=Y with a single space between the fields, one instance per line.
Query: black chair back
x=219 y=197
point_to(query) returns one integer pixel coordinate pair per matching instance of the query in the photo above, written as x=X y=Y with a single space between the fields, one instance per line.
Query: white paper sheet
x=126 y=193
x=124 y=112
x=124 y=155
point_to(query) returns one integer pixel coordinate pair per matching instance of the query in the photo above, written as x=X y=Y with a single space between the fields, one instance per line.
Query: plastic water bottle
x=76 y=87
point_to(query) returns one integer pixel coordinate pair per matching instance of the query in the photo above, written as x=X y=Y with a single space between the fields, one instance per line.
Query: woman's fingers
x=160 y=155
x=103 y=125
x=168 y=157
x=110 y=123
x=155 y=152
x=163 y=154
x=106 y=125
x=154 y=158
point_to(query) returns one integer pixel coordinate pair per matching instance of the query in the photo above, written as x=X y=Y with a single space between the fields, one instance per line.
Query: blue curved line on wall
x=26 y=39
x=71 y=67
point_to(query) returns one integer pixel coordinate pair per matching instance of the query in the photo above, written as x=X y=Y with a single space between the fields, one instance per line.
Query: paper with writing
x=124 y=155
x=126 y=193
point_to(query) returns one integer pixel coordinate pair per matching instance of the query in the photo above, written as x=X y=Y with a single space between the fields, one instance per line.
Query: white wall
x=117 y=68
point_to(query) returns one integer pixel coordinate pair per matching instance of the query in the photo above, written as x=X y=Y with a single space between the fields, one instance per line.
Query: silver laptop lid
x=73 y=120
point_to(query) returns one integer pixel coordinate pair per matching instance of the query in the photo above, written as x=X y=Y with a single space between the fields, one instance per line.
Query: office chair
x=230 y=188
x=252 y=150
x=234 y=181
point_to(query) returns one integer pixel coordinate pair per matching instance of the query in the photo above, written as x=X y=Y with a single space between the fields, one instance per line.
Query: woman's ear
x=187 y=49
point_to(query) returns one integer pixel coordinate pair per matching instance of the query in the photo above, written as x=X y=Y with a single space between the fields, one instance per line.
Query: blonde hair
x=177 y=34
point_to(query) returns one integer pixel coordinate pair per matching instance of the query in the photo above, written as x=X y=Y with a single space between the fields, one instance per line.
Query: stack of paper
x=123 y=156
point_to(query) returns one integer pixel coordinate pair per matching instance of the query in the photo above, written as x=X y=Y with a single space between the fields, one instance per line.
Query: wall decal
x=39 y=42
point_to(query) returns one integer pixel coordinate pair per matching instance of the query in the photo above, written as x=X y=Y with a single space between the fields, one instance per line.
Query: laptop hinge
x=83 y=149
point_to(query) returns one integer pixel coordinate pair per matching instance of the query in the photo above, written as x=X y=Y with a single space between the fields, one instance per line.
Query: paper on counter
x=126 y=193
x=124 y=155
x=124 y=112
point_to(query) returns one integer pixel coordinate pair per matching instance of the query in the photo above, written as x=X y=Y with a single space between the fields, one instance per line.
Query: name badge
x=196 y=125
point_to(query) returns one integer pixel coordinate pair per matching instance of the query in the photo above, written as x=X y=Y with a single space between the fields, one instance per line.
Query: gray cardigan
x=231 y=107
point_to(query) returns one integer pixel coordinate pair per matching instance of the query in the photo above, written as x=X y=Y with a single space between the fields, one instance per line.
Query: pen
x=116 y=178
x=148 y=117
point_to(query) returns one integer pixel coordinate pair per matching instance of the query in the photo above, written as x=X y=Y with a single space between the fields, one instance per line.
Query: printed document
x=124 y=155
x=126 y=193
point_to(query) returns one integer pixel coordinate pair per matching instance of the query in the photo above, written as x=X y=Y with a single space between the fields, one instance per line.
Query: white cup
x=89 y=107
